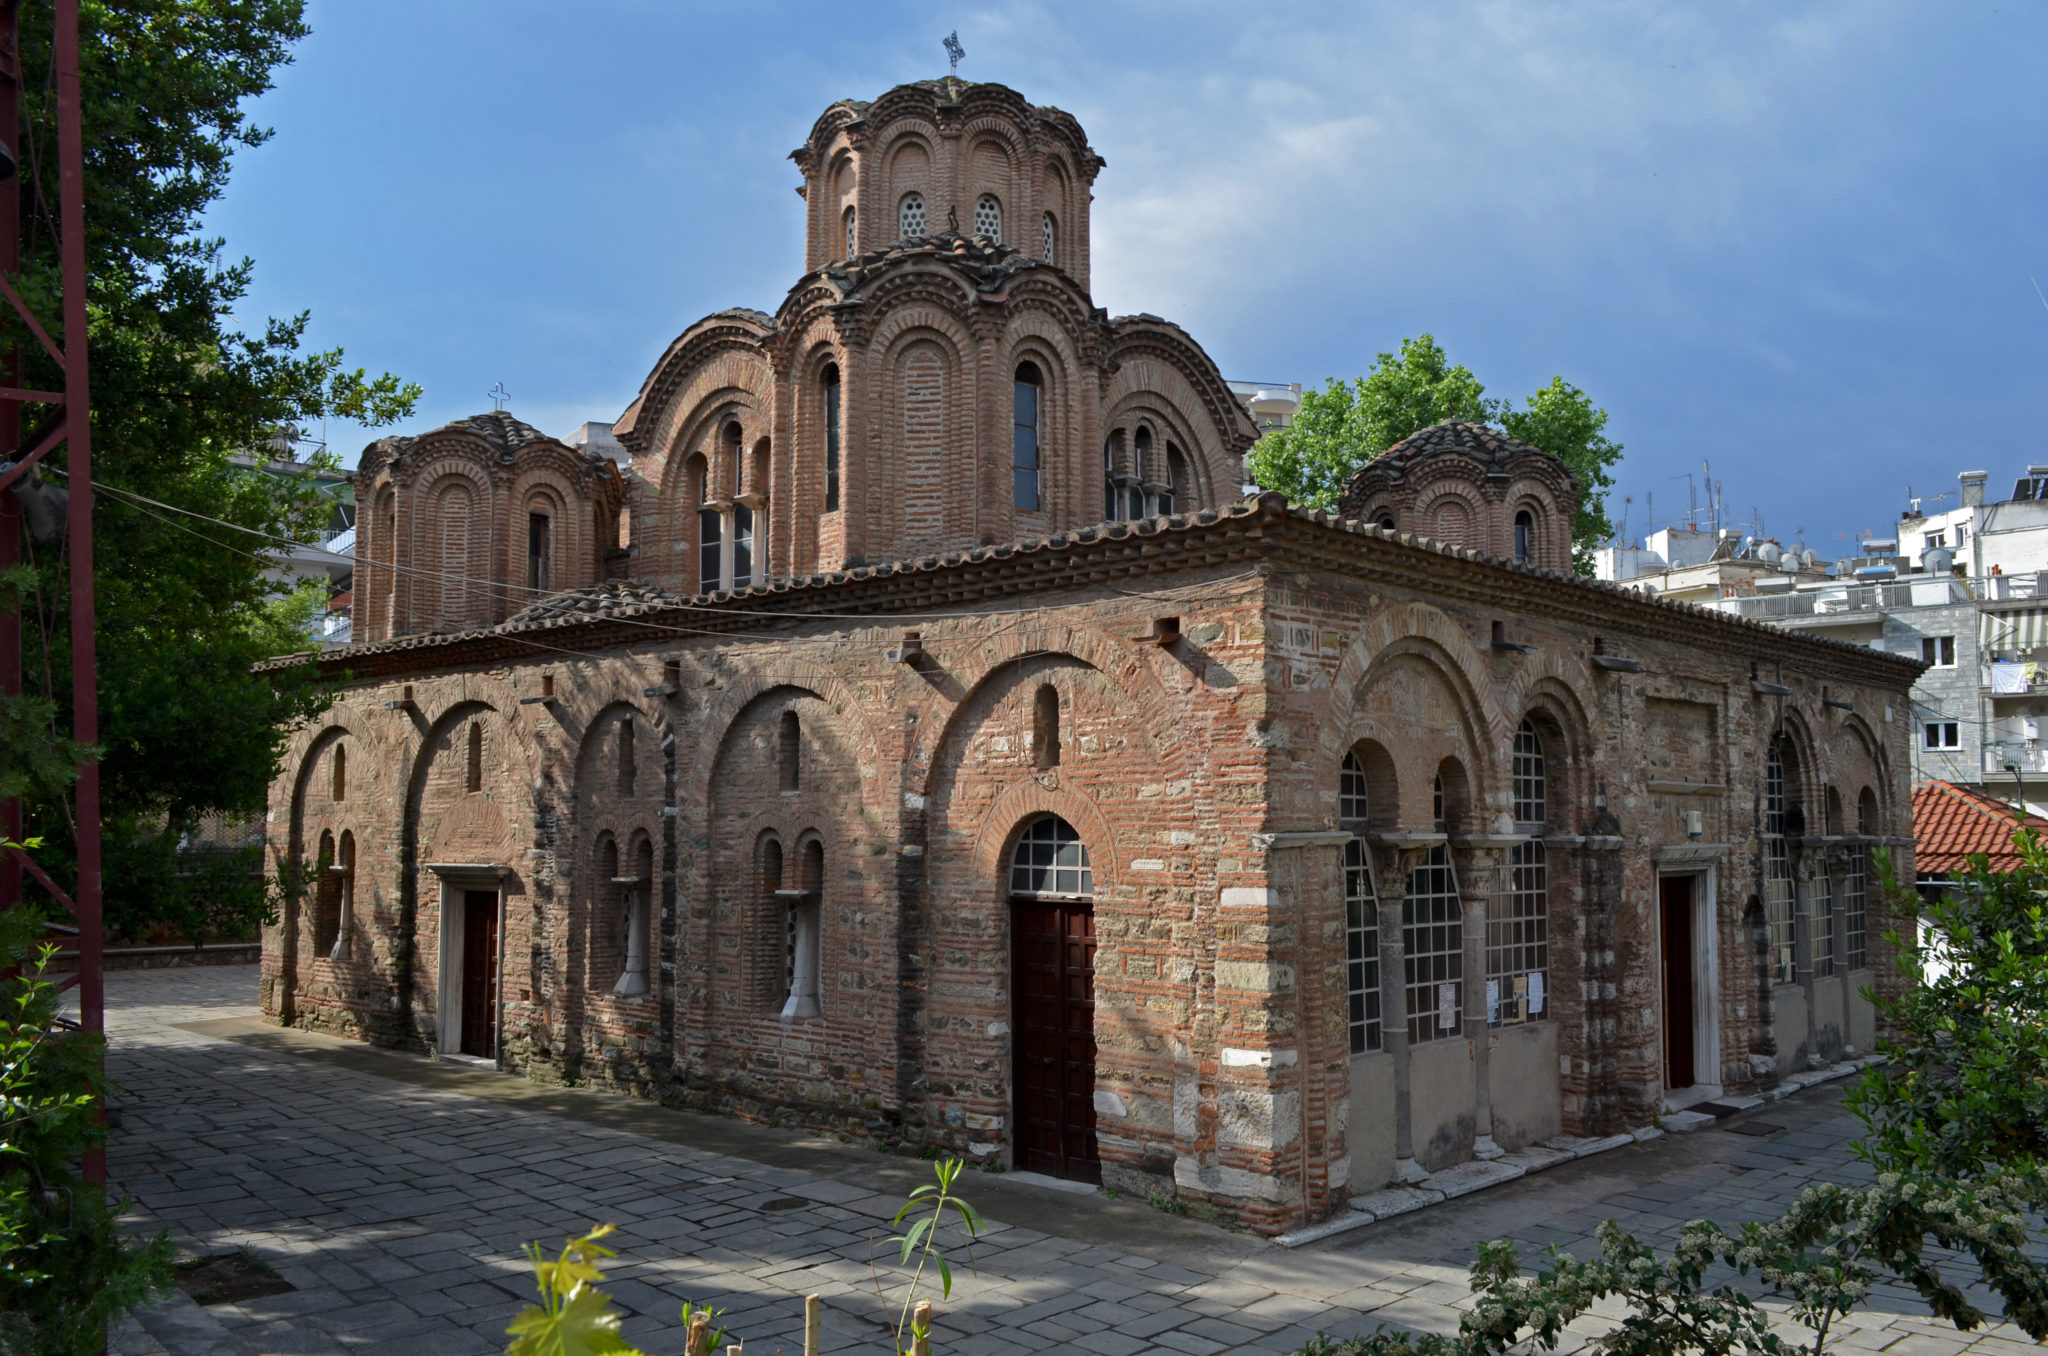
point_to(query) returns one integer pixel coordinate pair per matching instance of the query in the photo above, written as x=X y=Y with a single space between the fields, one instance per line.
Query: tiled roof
x=612 y=598
x=1953 y=823
x=1454 y=435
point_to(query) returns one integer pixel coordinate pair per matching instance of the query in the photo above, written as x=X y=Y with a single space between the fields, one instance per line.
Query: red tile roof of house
x=1953 y=823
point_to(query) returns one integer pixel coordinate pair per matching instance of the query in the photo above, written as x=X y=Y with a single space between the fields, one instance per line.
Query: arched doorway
x=1052 y=986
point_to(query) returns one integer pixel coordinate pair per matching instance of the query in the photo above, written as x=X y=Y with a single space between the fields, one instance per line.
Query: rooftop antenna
x=954 y=50
x=499 y=395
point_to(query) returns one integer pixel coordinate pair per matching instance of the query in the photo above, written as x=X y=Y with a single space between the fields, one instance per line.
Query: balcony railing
x=1854 y=602
x=2001 y=758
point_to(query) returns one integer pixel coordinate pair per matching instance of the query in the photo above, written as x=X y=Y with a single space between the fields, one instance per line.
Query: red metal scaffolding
x=72 y=432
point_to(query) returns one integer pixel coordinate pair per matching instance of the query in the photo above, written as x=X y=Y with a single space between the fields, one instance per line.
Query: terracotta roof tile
x=1953 y=823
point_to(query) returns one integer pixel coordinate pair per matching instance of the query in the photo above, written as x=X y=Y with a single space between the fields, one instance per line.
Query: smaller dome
x=1471 y=486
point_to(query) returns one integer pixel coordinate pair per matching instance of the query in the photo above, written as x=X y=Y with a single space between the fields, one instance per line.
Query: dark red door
x=1675 y=902
x=1053 y=950
x=480 y=973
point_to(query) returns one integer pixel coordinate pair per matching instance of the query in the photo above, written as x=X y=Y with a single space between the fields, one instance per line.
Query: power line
x=513 y=593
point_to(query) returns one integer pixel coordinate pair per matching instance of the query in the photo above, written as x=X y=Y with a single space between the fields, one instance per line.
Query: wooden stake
x=921 y=1328
x=699 y=1343
x=814 y=1325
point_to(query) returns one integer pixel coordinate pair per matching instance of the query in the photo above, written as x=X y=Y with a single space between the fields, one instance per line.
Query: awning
x=2026 y=629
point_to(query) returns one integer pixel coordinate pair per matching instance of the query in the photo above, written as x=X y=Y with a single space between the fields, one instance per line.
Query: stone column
x=1807 y=867
x=1396 y=855
x=1481 y=860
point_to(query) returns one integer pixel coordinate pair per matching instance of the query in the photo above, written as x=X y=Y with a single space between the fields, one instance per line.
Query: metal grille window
x=1529 y=785
x=1361 y=912
x=1051 y=859
x=1362 y=948
x=1518 y=940
x=988 y=217
x=1433 y=933
x=1822 y=904
x=910 y=217
x=1854 y=916
x=1777 y=871
x=1518 y=923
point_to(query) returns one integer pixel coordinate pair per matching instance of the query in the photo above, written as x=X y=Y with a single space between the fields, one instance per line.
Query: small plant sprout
x=574 y=1317
x=922 y=1240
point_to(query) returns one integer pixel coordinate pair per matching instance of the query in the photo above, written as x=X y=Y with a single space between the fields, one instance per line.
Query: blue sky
x=1793 y=240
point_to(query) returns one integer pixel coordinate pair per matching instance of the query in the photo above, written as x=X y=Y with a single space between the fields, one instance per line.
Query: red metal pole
x=85 y=714
x=10 y=414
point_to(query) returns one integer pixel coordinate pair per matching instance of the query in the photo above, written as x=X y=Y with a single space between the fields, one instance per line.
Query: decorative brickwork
x=750 y=849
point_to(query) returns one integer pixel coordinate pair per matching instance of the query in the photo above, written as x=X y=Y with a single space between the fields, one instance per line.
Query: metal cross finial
x=954 y=49
x=499 y=395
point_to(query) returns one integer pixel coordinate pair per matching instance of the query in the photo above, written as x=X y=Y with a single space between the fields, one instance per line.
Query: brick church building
x=915 y=734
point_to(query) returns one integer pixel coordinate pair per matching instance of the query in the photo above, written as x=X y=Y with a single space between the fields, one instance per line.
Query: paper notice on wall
x=1447 y=1007
x=1492 y=1000
x=1518 y=1010
x=1535 y=993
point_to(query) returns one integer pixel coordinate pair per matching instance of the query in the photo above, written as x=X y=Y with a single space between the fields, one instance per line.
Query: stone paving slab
x=396 y=1195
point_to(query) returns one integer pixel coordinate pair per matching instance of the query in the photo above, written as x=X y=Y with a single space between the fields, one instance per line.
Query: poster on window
x=1536 y=993
x=1447 y=1007
x=1519 y=1009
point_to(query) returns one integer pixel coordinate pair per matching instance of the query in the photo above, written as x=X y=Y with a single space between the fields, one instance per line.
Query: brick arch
x=817 y=681
x=996 y=833
x=1874 y=776
x=1478 y=527
x=1121 y=664
x=1805 y=777
x=1562 y=689
x=462 y=591
x=1035 y=334
x=1153 y=379
x=1422 y=632
x=570 y=531
x=1553 y=522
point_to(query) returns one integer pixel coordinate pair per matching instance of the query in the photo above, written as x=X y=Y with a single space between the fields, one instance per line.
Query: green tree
x=1340 y=428
x=181 y=395
x=67 y=1270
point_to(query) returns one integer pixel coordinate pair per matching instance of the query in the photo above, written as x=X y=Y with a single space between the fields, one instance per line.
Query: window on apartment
x=1939 y=651
x=1940 y=734
x=1934 y=541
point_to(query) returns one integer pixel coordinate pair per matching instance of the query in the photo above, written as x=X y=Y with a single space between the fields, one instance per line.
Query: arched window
x=635 y=892
x=829 y=381
x=605 y=938
x=474 y=781
x=775 y=911
x=1525 y=537
x=849 y=233
x=1361 y=912
x=539 y=554
x=1045 y=727
x=1134 y=499
x=1052 y=239
x=710 y=533
x=1112 y=493
x=802 y=977
x=345 y=861
x=789 y=747
x=1821 y=942
x=988 y=217
x=1024 y=461
x=1778 y=870
x=742 y=546
x=340 y=772
x=1855 y=901
x=910 y=216
x=1518 y=927
x=326 y=898
x=1051 y=859
x=627 y=760
x=1174 y=498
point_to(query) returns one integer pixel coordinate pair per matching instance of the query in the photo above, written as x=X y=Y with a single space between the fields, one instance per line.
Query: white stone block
x=1462 y=1179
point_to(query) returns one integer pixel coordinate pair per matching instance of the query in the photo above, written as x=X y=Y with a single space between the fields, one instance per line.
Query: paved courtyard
x=395 y=1194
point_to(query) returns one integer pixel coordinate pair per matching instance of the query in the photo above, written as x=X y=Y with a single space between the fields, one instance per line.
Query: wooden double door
x=1052 y=950
x=480 y=973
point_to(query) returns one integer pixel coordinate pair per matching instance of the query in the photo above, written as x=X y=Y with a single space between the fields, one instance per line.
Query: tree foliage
x=181 y=397
x=1340 y=428
x=66 y=1268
